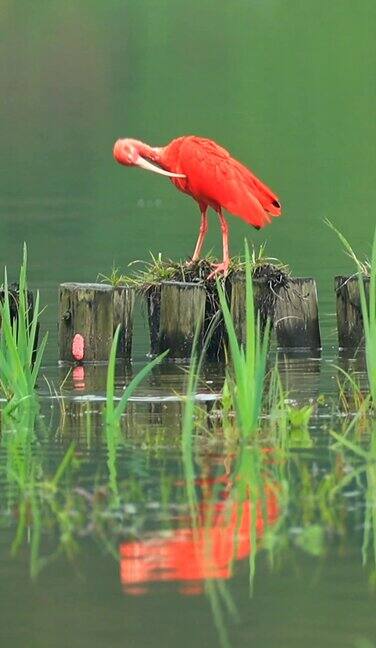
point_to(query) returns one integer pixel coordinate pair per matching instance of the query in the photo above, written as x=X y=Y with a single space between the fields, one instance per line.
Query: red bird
x=204 y=170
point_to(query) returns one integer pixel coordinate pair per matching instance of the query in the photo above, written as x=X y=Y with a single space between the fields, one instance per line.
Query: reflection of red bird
x=204 y=170
x=191 y=556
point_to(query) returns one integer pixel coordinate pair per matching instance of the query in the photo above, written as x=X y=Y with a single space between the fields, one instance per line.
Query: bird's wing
x=215 y=175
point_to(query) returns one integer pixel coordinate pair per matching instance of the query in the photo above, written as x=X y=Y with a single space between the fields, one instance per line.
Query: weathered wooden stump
x=296 y=319
x=289 y=303
x=213 y=320
x=263 y=299
x=237 y=306
x=93 y=311
x=182 y=312
x=349 y=312
x=86 y=309
x=153 y=305
x=123 y=304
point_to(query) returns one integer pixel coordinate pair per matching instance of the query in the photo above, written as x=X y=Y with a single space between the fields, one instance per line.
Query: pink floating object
x=78 y=347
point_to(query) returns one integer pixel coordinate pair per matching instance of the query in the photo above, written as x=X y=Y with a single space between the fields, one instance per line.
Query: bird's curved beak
x=145 y=164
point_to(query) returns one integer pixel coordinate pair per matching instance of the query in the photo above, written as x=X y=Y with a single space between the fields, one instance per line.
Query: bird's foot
x=219 y=268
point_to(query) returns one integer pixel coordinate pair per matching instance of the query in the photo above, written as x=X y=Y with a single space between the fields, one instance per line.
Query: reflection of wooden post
x=296 y=318
x=123 y=303
x=349 y=312
x=292 y=365
x=86 y=309
x=182 y=311
x=81 y=421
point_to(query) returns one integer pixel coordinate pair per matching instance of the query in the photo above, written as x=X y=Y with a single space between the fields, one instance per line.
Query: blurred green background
x=288 y=86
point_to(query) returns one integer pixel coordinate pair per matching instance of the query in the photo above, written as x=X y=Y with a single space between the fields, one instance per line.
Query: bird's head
x=130 y=152
x=126 y=151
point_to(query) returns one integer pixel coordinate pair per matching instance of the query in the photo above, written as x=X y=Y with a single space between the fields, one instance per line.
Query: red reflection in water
x=191 y=556
x=78 y=376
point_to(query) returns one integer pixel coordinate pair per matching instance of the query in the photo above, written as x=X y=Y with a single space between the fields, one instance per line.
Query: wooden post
x=290 y=304
x=86 y=309
x=182 y=310
x=264 y=298
x=153 y=305
x=214 y=349
x=349 y=312
x=123 y=303
x=296 y=318
x=237 y=306
x=93 y=311
x=215 y=332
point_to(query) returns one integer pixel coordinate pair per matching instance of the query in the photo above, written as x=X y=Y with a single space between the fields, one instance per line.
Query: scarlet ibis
x=204 y=170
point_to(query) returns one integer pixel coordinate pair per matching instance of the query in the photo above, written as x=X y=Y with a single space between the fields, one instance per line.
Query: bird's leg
x=201 y=235
x=222 y=267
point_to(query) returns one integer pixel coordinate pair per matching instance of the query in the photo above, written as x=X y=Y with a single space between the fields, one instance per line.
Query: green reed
x=19 y=362
x=31 y=495
x=368 y=308
x=113 y=412
x=369 y=321
x=246 y=371
x=363 y=474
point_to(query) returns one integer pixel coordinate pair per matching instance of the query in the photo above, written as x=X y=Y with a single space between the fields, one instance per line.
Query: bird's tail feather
x=266 y=197
x=252 y=200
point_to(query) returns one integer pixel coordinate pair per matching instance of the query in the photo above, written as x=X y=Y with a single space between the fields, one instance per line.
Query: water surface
x=132 y=559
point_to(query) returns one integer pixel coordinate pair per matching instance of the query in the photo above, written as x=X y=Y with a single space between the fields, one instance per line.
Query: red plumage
x=219 y=180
